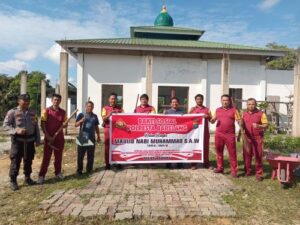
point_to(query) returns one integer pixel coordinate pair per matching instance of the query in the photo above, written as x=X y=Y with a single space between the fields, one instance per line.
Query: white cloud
x=268 y=4
x=27 y=55
x=48 y=76
x=22 y=30
x=13 y=66
x=53 y=53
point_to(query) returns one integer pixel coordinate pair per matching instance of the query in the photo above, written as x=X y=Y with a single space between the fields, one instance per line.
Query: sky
x=29 y=28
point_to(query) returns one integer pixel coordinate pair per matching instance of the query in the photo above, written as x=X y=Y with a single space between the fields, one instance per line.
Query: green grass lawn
x=255 y=203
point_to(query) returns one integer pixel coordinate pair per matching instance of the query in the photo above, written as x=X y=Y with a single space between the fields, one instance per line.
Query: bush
x=282 y=143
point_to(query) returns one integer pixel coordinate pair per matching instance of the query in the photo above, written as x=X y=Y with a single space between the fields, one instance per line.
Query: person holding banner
x=254 y=123
x=200 y=108
x=174 y=110
x=52 y=119
x=144 y=107
x=174 y=107
x=107 y=111
x=89 y=125
x=225 y=135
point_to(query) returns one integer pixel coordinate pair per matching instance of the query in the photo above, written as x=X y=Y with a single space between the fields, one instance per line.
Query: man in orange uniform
x=200 y=108
x=107 y=111
x=144 y=107
x=254 y=122
x=52 y=119
x=225 y=135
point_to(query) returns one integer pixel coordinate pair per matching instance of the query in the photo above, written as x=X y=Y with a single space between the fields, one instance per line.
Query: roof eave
x=69 y=46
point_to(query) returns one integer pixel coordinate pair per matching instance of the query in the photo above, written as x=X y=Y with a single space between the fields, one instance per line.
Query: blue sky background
x=29 y=28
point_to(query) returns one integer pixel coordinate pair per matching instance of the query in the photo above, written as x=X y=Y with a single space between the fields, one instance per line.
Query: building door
x=237 y=96
x=165 y=93
x=107 y=89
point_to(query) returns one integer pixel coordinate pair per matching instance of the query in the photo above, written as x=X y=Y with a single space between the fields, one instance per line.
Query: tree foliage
x=286 y=62
x=10 y=90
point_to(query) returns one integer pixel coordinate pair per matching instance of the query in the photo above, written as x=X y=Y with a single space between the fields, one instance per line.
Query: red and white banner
x=152 y=138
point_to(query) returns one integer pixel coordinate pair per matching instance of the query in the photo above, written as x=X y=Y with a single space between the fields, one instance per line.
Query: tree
x=34 y=89
x=10 y=90
x=283 y=63
x=5 y=102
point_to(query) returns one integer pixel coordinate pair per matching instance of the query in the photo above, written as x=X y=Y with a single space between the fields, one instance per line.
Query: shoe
x=107 y=167
x=14 y=185
x=259 y=178
x=79 y=173
x=206 y=166
x=60 y=176
x=40 y=180
x=29 y=181
x=218 y=170
x=119 y=166
x=179 y=165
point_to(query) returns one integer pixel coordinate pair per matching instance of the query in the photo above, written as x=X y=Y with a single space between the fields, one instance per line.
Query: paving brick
x=124 y=215
x=137 y=193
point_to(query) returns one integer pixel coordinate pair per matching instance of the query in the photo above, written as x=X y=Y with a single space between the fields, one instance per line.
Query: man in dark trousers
x=21 y=124
x=89 y=125
x=174 y=110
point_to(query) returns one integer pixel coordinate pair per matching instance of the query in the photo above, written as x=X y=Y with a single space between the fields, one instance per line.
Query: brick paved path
x=145 y=192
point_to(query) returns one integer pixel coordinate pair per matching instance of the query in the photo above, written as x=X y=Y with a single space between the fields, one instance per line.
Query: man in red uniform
x=200 y=108
x=144 y=107
x=52 y=119
x=107 y=111
x=225 y=135
x=254 y=122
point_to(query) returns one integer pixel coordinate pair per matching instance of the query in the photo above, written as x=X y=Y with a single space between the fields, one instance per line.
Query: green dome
x=164 y=19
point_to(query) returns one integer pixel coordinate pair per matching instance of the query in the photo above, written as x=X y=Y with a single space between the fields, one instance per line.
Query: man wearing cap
x=21 y=124
x=144 y=107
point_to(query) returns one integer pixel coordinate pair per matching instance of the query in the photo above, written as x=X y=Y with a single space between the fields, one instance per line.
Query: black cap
x=25 y=97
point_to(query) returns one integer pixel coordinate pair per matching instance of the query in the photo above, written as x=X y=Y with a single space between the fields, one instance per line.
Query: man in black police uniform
x=22 y=125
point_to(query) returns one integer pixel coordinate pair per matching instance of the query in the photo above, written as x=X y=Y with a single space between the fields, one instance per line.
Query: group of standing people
x=22 y=124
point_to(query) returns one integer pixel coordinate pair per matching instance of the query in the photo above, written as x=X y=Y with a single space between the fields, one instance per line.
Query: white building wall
x=213 y=83
x=181 y=72
x=176 y=70
x=280 y=83
x=116 y=70
x=201 y=76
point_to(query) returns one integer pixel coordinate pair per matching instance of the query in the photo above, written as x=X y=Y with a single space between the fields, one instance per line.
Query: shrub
x=282 y=143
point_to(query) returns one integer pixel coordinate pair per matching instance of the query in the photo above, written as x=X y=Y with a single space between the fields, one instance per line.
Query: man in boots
x=21 y=124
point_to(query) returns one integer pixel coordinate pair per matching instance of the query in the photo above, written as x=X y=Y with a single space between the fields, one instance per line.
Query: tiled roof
x=162 y=43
